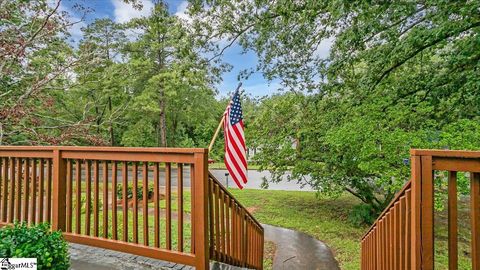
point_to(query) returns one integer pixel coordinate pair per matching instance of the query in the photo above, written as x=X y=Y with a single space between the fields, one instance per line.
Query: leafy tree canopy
x=399 y=75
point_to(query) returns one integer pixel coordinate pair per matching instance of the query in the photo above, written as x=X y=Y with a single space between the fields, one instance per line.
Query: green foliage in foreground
x=20 y=241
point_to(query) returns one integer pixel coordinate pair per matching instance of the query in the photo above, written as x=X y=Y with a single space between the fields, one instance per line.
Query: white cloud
x=323 y=49
x=181 y=11
x=124 y=12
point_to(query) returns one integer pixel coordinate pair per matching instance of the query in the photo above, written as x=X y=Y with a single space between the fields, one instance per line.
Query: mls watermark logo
x=18 y=263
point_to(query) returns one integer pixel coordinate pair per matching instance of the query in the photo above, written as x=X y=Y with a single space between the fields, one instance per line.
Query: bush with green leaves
x=139 y=191
x=22 y=241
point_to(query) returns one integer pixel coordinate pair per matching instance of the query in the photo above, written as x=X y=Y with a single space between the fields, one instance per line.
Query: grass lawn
x=324 y=219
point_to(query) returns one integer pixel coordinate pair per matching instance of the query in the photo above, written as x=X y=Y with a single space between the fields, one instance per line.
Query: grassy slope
x=325 y=219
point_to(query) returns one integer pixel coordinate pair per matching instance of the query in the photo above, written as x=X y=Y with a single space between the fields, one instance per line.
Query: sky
x=256 y=85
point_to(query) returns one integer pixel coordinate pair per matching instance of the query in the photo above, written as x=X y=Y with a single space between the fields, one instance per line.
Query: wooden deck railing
x=81 y=191
x=403 y=235
x=236 y=237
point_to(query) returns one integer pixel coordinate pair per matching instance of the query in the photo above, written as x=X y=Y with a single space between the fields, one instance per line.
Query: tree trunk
x=112 y=136
x=162 y=123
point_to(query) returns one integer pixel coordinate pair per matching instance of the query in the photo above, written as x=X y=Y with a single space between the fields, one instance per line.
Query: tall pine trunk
x=162 y=123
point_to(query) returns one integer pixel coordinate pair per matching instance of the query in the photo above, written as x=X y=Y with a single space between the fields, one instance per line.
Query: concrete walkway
x=297 y=250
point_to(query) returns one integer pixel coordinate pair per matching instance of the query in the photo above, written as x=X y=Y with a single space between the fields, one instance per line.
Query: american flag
x=235 y=150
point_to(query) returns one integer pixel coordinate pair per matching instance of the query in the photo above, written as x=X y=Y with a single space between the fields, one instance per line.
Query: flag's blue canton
x=236 y=109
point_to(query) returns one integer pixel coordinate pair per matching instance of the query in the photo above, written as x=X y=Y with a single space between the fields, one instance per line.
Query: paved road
x=255 y=178
x=297 y=250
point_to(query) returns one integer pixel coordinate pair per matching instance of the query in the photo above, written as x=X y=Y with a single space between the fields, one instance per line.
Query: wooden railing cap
x=445 y=153
x=106 y=149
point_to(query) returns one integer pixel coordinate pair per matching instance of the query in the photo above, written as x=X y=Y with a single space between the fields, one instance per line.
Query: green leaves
x=21 y=241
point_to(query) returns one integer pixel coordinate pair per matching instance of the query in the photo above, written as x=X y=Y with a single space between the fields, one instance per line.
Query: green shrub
x=362 y=214
x=21 y=241
x=139 y=191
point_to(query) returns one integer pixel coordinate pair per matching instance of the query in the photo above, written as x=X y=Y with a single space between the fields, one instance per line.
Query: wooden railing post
x=416 y=212
x=59 y=192
x=200 y=190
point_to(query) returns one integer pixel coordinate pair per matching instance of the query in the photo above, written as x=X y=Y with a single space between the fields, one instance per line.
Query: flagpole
x=212 y=142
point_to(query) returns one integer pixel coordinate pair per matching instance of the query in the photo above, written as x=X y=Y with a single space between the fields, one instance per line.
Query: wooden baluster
x=403 y=224
x=114 y=200
x=397 y=235
x=105 y=199
x=389 y=240
x=49 y=191
x=33 y=187
x=379 y=244
x=156 y=205
x=69 y=195
x=125 y=200
x=475 y=218
x=180 y=206
x=234 y=233
x=228 y=236
x=392 y=238
x=18 y=190
x=78 y=196
x=95 y=198
x=26 y=193
x=217 y=221
x=88 y=183
x=135 y=202
x=145 y=203
x=222 y=223
x=240 y=236
x=408 y=229
x=452 y=222
x=5 y=189
x=11 y=201
x=41 y=191
x=211 y=213
x=244 y=238
x=168 y=206
x=192 y=208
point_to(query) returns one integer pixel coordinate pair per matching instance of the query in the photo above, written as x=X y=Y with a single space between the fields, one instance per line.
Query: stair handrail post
x=59 y=191
x=200 y=215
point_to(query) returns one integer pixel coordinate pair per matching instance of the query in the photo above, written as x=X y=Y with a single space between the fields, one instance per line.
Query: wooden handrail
x=402 y=237
x=84 y=192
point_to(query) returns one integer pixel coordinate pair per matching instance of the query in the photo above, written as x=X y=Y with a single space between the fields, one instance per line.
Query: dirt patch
x=252 y=209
